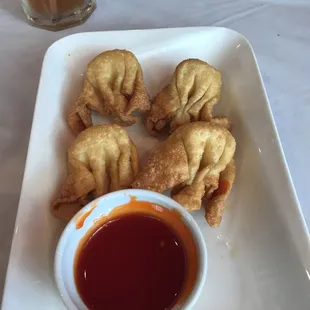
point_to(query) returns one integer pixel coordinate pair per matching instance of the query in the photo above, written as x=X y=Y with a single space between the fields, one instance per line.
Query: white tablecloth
x=279 y=32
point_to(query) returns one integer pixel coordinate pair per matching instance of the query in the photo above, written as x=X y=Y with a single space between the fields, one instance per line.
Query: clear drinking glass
x=57 y=14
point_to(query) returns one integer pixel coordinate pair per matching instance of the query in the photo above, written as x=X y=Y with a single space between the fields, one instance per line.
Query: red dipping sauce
x=133 y=261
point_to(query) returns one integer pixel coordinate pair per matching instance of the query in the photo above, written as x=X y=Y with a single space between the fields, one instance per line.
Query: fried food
x=113 y=86
x=217 y=199
x=216 y=204
x=222 y=121
x=192 y=161
x=194 y=89
x=102 y=159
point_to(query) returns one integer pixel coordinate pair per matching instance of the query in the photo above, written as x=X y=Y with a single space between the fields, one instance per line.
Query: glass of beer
x=57 y=14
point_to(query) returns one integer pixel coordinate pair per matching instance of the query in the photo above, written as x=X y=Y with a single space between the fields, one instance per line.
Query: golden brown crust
x=113 y=86
x=216 y=204
x=222 y=121
x=190 y=96
x=102 y=159
x=189 y=162
x=166 y=167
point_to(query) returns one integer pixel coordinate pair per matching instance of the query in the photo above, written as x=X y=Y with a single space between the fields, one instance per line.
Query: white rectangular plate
x=258 y=258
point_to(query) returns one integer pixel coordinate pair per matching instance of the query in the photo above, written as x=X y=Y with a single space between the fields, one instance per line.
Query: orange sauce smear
x=79 y=222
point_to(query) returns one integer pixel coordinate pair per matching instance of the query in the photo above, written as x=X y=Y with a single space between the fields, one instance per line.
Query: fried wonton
x=194 y=89
x=193 y=162
x=216 y=204
x=102 y=159
x=113 y=86
x=222 y=121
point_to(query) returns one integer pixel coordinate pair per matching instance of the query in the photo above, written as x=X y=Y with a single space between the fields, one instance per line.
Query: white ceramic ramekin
x=71 y=236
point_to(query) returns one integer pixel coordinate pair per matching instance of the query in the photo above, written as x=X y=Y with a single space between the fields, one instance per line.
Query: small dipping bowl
x=87 y=219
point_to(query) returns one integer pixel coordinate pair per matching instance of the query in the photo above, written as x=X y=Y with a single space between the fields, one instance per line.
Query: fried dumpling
x=113 y=86
x=191 y=162
x=194 y=89
x=102 y=159
x=216 y=203
x=222 y=121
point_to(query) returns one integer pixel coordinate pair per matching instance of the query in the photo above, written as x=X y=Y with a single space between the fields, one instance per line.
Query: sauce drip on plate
x=133 y=262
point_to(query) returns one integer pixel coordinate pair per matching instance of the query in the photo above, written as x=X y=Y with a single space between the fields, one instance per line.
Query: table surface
x=279 y=32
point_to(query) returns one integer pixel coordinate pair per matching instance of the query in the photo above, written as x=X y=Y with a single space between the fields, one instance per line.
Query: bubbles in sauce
x=133 y=262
